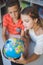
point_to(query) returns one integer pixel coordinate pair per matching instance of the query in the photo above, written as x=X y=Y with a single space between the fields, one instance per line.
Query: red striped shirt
x=12 y=27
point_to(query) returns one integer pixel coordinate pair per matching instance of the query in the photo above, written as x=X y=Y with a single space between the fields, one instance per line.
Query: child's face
x=14 y=11
x=27 y=21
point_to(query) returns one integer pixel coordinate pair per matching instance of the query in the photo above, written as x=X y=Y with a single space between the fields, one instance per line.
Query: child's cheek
x=30 y=25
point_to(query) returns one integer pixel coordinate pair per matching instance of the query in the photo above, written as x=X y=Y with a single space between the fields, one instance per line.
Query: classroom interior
x=23 y=4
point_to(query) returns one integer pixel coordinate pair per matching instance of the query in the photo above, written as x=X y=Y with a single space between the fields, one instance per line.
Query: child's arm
x=25 y=37
x=22 y=33
x=4 y=27
x=26 y=46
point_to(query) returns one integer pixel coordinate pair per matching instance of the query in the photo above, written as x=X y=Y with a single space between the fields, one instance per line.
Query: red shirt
x=12 y=27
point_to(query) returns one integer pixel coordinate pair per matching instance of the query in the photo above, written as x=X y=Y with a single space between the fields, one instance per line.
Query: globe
x=13 y=48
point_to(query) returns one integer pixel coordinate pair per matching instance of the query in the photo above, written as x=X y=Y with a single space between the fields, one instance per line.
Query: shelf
x=2 y=5
x=39 y=2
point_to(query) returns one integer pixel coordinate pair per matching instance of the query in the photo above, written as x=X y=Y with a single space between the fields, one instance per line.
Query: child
x=12 y=22
x=32 y=23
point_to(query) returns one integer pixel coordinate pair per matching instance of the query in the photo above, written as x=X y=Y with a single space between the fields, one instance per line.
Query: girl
x=32 y=23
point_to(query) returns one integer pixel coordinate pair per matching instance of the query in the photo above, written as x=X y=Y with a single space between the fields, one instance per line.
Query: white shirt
x=38 y=49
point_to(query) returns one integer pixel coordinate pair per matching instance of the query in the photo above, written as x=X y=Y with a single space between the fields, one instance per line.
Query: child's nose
x=13 y=14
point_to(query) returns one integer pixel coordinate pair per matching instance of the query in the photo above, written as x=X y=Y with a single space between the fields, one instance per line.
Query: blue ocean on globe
x=13 y=48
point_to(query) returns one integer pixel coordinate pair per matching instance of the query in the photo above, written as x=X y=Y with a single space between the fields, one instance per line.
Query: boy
x=12 y=22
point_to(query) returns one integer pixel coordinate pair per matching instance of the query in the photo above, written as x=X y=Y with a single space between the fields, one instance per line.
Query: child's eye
x=10 y=12
x=16 y=11
x=27 y=21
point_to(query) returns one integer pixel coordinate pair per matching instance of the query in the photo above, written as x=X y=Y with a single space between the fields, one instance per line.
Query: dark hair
x=10 y=3
x=31 y=12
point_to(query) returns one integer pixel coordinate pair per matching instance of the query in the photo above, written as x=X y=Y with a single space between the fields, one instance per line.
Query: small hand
x=11 y=59
x=21 y=60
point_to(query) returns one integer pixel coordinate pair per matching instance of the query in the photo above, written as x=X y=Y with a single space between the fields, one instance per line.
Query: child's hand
x=11 y=59
x=21 y=60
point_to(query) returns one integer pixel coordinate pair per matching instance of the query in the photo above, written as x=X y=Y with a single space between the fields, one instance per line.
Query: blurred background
x=37 y=4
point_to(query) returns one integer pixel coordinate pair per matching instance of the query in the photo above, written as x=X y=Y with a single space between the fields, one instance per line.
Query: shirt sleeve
x=5 y=22
x=39 y=46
